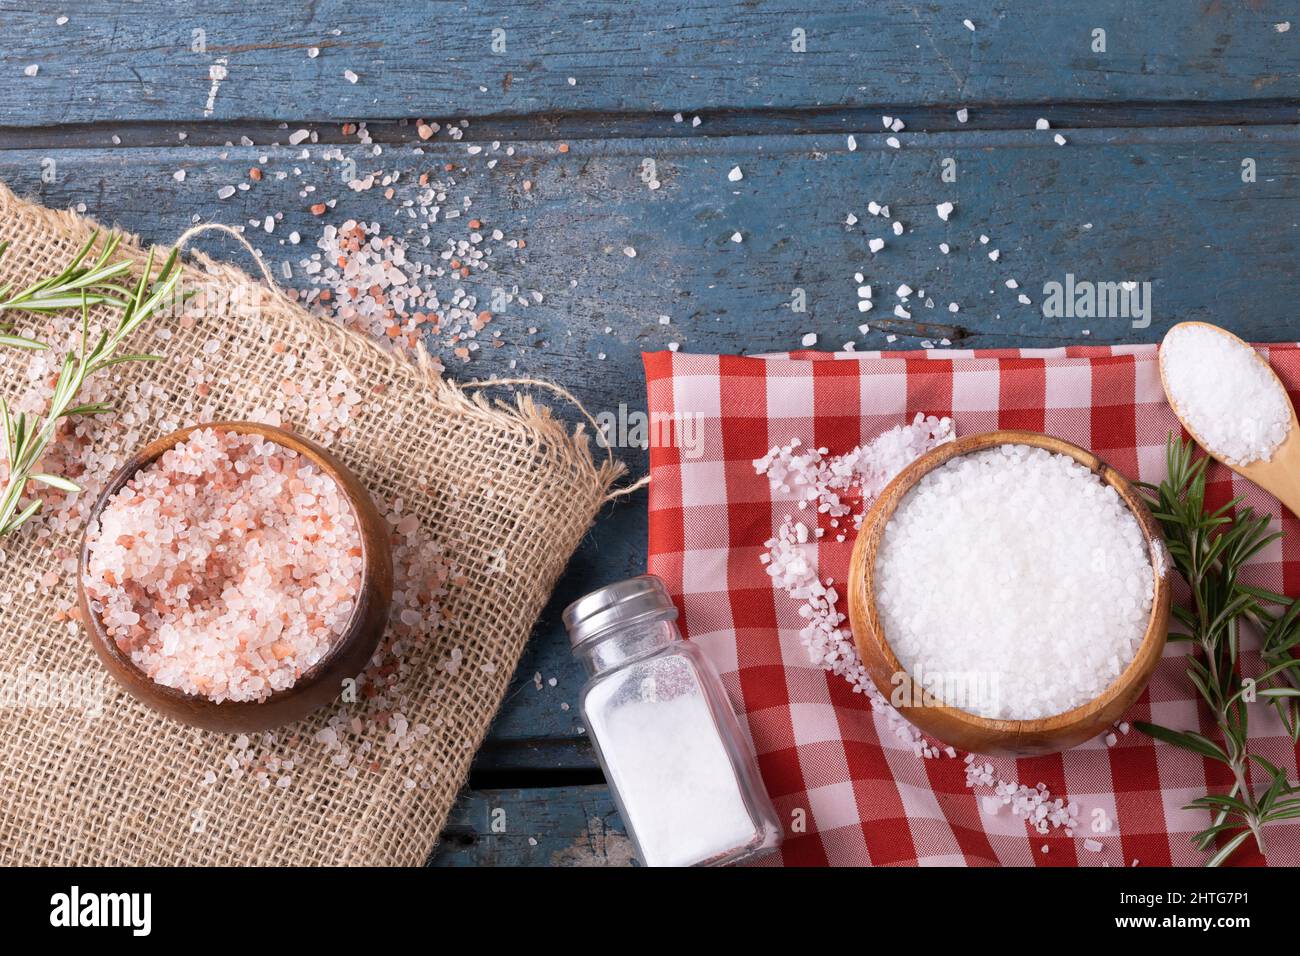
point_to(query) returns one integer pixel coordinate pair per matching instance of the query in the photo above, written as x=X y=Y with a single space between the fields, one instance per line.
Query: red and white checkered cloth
x=867 y=799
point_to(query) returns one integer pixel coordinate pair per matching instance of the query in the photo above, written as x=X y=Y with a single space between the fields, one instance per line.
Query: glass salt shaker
x=677 y=762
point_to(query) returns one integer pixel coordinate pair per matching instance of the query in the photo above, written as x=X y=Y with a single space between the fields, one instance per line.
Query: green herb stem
x=26 y=440
x=1209 y=548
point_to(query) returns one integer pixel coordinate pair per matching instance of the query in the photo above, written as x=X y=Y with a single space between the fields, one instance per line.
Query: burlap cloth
x=506 y=483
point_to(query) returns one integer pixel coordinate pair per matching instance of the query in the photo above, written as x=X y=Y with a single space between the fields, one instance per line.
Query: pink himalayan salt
x=226 y=568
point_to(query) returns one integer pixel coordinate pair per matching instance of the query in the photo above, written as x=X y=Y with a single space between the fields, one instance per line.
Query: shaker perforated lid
x=615 y=604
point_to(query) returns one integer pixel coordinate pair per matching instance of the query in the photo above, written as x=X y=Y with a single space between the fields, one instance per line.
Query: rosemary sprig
x=1209 y=549
x=27 y=439
x=91 y=282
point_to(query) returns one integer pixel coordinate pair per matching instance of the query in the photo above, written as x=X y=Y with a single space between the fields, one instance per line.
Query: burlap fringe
x=487 y=474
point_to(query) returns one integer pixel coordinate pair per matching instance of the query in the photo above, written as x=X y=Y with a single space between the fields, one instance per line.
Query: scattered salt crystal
x=1093 y=846
x=1059 y=140
x=629 y=252
x=830 y=484
x=963 y=115
x=875 y=245
x=1041 y=123
x=737 y=237
x=852 y=143
x=1231 y=400
x=944 y=209
x=350 y=76
x=892 y=142
x=969 y=25
x=31 y=70
x=809 y=340
x=735 y=175
x=225 y=192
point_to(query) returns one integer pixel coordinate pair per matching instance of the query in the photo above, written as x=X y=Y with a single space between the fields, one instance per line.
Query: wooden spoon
x=1280 y=475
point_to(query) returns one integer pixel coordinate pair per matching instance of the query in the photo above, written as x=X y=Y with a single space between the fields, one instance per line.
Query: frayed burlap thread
x=506 y=488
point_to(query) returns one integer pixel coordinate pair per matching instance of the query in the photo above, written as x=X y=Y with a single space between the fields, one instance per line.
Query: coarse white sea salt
x=1221 y=388
x=226 y=568
x=1014 y=580
x=839 y=491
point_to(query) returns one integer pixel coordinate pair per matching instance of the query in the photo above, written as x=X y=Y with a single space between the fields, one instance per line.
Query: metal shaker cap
x=617 y=604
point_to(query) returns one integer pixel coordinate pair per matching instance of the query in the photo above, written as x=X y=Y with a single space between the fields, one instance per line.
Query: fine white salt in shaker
x=677 y=762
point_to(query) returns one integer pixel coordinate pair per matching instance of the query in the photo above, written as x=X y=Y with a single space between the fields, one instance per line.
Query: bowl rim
x=149 y=454
x=1135 y=674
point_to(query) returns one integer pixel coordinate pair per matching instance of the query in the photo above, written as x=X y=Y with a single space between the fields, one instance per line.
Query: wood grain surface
x=116 y=62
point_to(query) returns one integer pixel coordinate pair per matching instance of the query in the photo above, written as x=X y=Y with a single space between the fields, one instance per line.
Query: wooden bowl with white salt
x=348 y=651
x=964 y=728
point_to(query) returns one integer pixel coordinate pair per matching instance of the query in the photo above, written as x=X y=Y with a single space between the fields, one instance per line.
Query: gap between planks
x=615 y=126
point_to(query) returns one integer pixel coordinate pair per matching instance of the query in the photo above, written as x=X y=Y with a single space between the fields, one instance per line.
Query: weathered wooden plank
x=154 y=60
x=553 y=826
x=1164 y=206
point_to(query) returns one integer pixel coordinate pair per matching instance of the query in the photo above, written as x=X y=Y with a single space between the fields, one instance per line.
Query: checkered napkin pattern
x=858 y=794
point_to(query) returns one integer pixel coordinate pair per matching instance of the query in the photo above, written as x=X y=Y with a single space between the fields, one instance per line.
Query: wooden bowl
x=965 y=730
x=321 y=683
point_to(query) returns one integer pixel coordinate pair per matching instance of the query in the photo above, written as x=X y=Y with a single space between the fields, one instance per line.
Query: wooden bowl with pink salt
x=234 y=575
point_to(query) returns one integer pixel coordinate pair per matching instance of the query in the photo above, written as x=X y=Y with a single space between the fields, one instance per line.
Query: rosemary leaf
x=82 y=284
x=19 y=342
x=1209 y=548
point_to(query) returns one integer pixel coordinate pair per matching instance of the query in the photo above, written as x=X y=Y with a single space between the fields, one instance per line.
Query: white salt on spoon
x=1232 y=402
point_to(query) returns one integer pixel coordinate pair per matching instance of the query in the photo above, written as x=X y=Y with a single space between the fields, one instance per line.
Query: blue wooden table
x=1179 y=168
